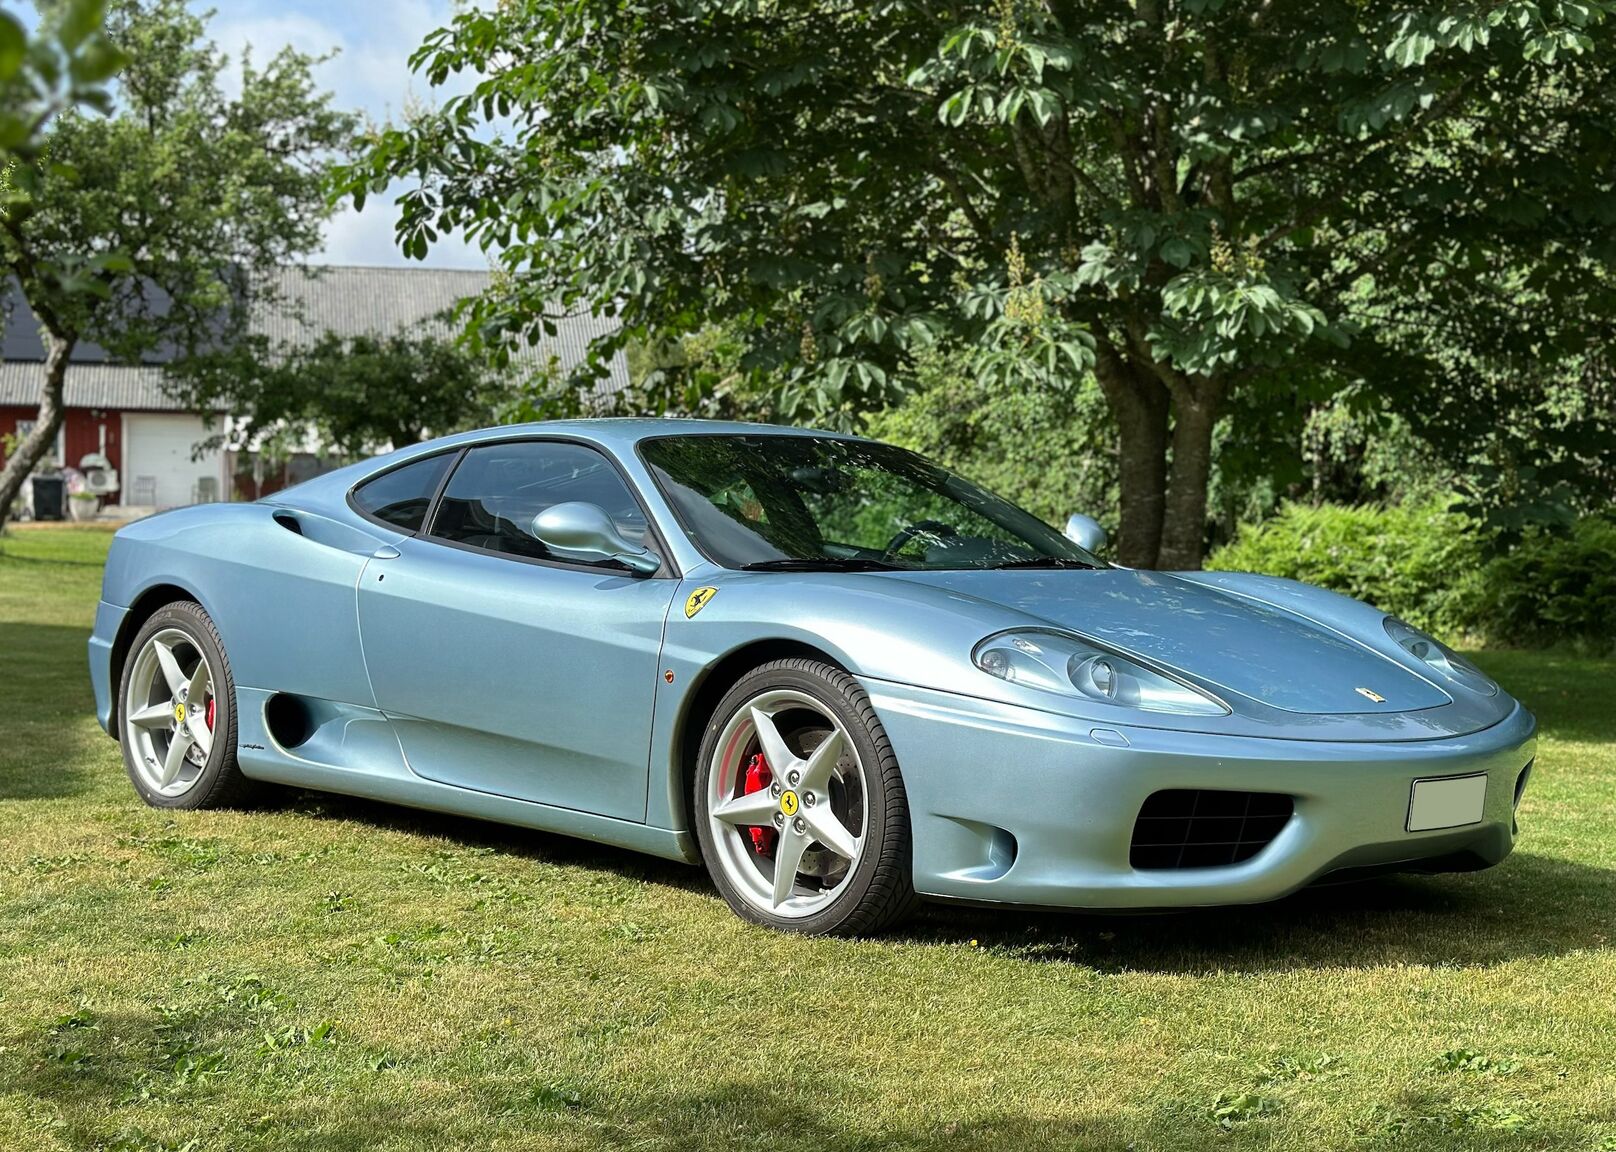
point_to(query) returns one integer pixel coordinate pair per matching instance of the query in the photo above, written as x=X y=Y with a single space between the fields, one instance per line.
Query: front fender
x=874 y=628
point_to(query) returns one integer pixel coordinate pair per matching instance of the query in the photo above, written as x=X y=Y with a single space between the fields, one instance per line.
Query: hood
x=1230 y=643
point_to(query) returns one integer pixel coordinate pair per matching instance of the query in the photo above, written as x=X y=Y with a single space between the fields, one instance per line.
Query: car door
x=504 y=669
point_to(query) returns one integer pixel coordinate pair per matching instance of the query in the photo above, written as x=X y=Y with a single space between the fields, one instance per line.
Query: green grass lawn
x=339 y=974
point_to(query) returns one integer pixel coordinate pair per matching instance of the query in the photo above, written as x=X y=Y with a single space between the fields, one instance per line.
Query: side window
x=498 y=489
x=401 y=497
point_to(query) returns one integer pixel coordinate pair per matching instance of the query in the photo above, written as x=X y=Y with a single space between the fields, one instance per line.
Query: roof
x=633 y=429
x=617 y=434
x=313 y=300
x=106 y=386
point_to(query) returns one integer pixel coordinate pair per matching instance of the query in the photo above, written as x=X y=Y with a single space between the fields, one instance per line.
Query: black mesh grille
x=1190 y=828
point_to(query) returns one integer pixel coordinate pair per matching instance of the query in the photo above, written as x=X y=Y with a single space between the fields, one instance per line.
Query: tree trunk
x=58 y=351
x=1139 y=403
x=1195 y=413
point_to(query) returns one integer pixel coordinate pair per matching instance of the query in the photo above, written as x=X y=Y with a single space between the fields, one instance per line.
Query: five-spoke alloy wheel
x=802 y=816
x=176 y=713
x=169 y=712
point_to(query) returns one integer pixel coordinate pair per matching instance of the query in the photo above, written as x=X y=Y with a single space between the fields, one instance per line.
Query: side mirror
x=584 y=532
x=1085 y=532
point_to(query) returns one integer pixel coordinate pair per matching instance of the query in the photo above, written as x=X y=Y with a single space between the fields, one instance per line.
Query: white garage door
x=157 y=465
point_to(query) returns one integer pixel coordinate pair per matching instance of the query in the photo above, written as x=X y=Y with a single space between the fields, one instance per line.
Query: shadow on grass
x=1531 y=905
x=11 y=557
x=507 y=839
x=49 y=712
x=802 y=1111
x=785 y=1115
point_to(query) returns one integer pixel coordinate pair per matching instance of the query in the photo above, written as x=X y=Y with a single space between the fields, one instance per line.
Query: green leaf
x=957 y=107
x=14 y=132
x=81 y=20
x=1044 y=103
x=1178 y=252
x=98 y=63
x=13 y=45
x=113 y=262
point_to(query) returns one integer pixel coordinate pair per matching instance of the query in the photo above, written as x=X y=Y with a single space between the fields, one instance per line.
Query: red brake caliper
x=757 y=779
x=210 y=713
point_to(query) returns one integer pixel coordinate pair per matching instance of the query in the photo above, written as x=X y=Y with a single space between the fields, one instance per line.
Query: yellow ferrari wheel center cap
x=179 y=713
x=788 y=803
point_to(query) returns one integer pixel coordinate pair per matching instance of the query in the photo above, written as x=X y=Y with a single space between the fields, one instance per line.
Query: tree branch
x=27 y=270
x=956 y=190
x=1343 y=182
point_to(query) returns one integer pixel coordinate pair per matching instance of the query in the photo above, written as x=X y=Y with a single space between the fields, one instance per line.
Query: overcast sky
x=371 y=71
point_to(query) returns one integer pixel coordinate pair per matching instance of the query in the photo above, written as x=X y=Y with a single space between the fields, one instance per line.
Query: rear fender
x=279 y=583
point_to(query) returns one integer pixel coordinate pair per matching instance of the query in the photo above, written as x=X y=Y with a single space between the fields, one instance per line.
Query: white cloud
x=367 y=238
x=369 y=73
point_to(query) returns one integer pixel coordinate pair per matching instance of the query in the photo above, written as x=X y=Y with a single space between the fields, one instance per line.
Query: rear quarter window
x=401 y=497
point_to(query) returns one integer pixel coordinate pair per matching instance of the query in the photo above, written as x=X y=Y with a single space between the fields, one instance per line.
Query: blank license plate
x=1451 y=802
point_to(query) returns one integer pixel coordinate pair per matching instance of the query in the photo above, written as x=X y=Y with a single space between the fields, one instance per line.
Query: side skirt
x=352 y=751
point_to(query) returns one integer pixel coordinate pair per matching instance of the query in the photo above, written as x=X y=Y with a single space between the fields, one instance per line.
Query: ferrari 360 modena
x=839 y=676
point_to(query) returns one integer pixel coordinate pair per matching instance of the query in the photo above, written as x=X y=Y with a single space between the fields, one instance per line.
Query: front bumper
x=1019 y=806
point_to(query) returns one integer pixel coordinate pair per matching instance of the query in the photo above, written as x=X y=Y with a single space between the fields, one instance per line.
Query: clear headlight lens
x=1439 y=657
x=1063 y=663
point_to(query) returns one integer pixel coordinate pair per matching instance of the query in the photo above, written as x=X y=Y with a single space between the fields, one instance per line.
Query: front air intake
x=1194 y=828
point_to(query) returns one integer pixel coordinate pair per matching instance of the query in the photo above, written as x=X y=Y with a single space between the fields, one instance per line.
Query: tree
x=350 y=396
x=1215 y=206
x=1034 y=446
x=149 y=228
x=65 y=66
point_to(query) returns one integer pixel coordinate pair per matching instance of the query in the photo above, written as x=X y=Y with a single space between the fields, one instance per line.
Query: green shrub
x=1421 y=562
x=1553 y=588
x=1430 y=565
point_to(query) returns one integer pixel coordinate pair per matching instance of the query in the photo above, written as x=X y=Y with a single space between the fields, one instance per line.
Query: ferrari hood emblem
x=1370 y=694
x=698 y=600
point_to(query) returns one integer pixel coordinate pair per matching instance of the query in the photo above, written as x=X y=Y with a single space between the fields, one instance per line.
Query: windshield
x=822 y=502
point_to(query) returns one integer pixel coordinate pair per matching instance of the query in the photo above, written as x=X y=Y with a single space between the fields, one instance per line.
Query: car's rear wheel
x=177 y=714
x=800 y=807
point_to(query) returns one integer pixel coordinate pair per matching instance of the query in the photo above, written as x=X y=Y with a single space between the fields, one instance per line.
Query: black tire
x=220 y=783
x=879 y=890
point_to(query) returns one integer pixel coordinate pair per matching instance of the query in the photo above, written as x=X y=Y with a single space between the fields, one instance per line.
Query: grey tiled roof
x=90 y=386
x=349 y=301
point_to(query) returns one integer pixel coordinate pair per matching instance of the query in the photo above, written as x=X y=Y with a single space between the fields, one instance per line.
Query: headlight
x=1059 y=662
x=1439 y=657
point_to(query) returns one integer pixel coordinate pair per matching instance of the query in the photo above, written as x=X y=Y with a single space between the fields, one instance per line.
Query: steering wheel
x=909 y=531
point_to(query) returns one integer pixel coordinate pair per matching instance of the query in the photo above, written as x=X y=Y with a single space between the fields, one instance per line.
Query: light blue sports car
x=841 y=677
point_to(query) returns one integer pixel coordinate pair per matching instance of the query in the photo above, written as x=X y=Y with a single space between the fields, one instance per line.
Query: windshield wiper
x=1044 y=562
x=821 y=564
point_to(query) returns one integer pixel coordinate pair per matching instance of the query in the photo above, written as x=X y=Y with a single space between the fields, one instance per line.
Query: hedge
x=1435 y=567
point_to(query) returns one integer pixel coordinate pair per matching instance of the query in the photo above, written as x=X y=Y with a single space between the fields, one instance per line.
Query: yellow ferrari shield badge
x=788 y=803
x=179 y=713
x=698 y=600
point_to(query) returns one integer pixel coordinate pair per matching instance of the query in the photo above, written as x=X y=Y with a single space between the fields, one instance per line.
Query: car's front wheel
x=800 y=808
x=177 y=714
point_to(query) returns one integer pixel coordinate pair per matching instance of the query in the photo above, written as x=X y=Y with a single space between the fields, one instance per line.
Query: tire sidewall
x=819 y=686
x=198 y=628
